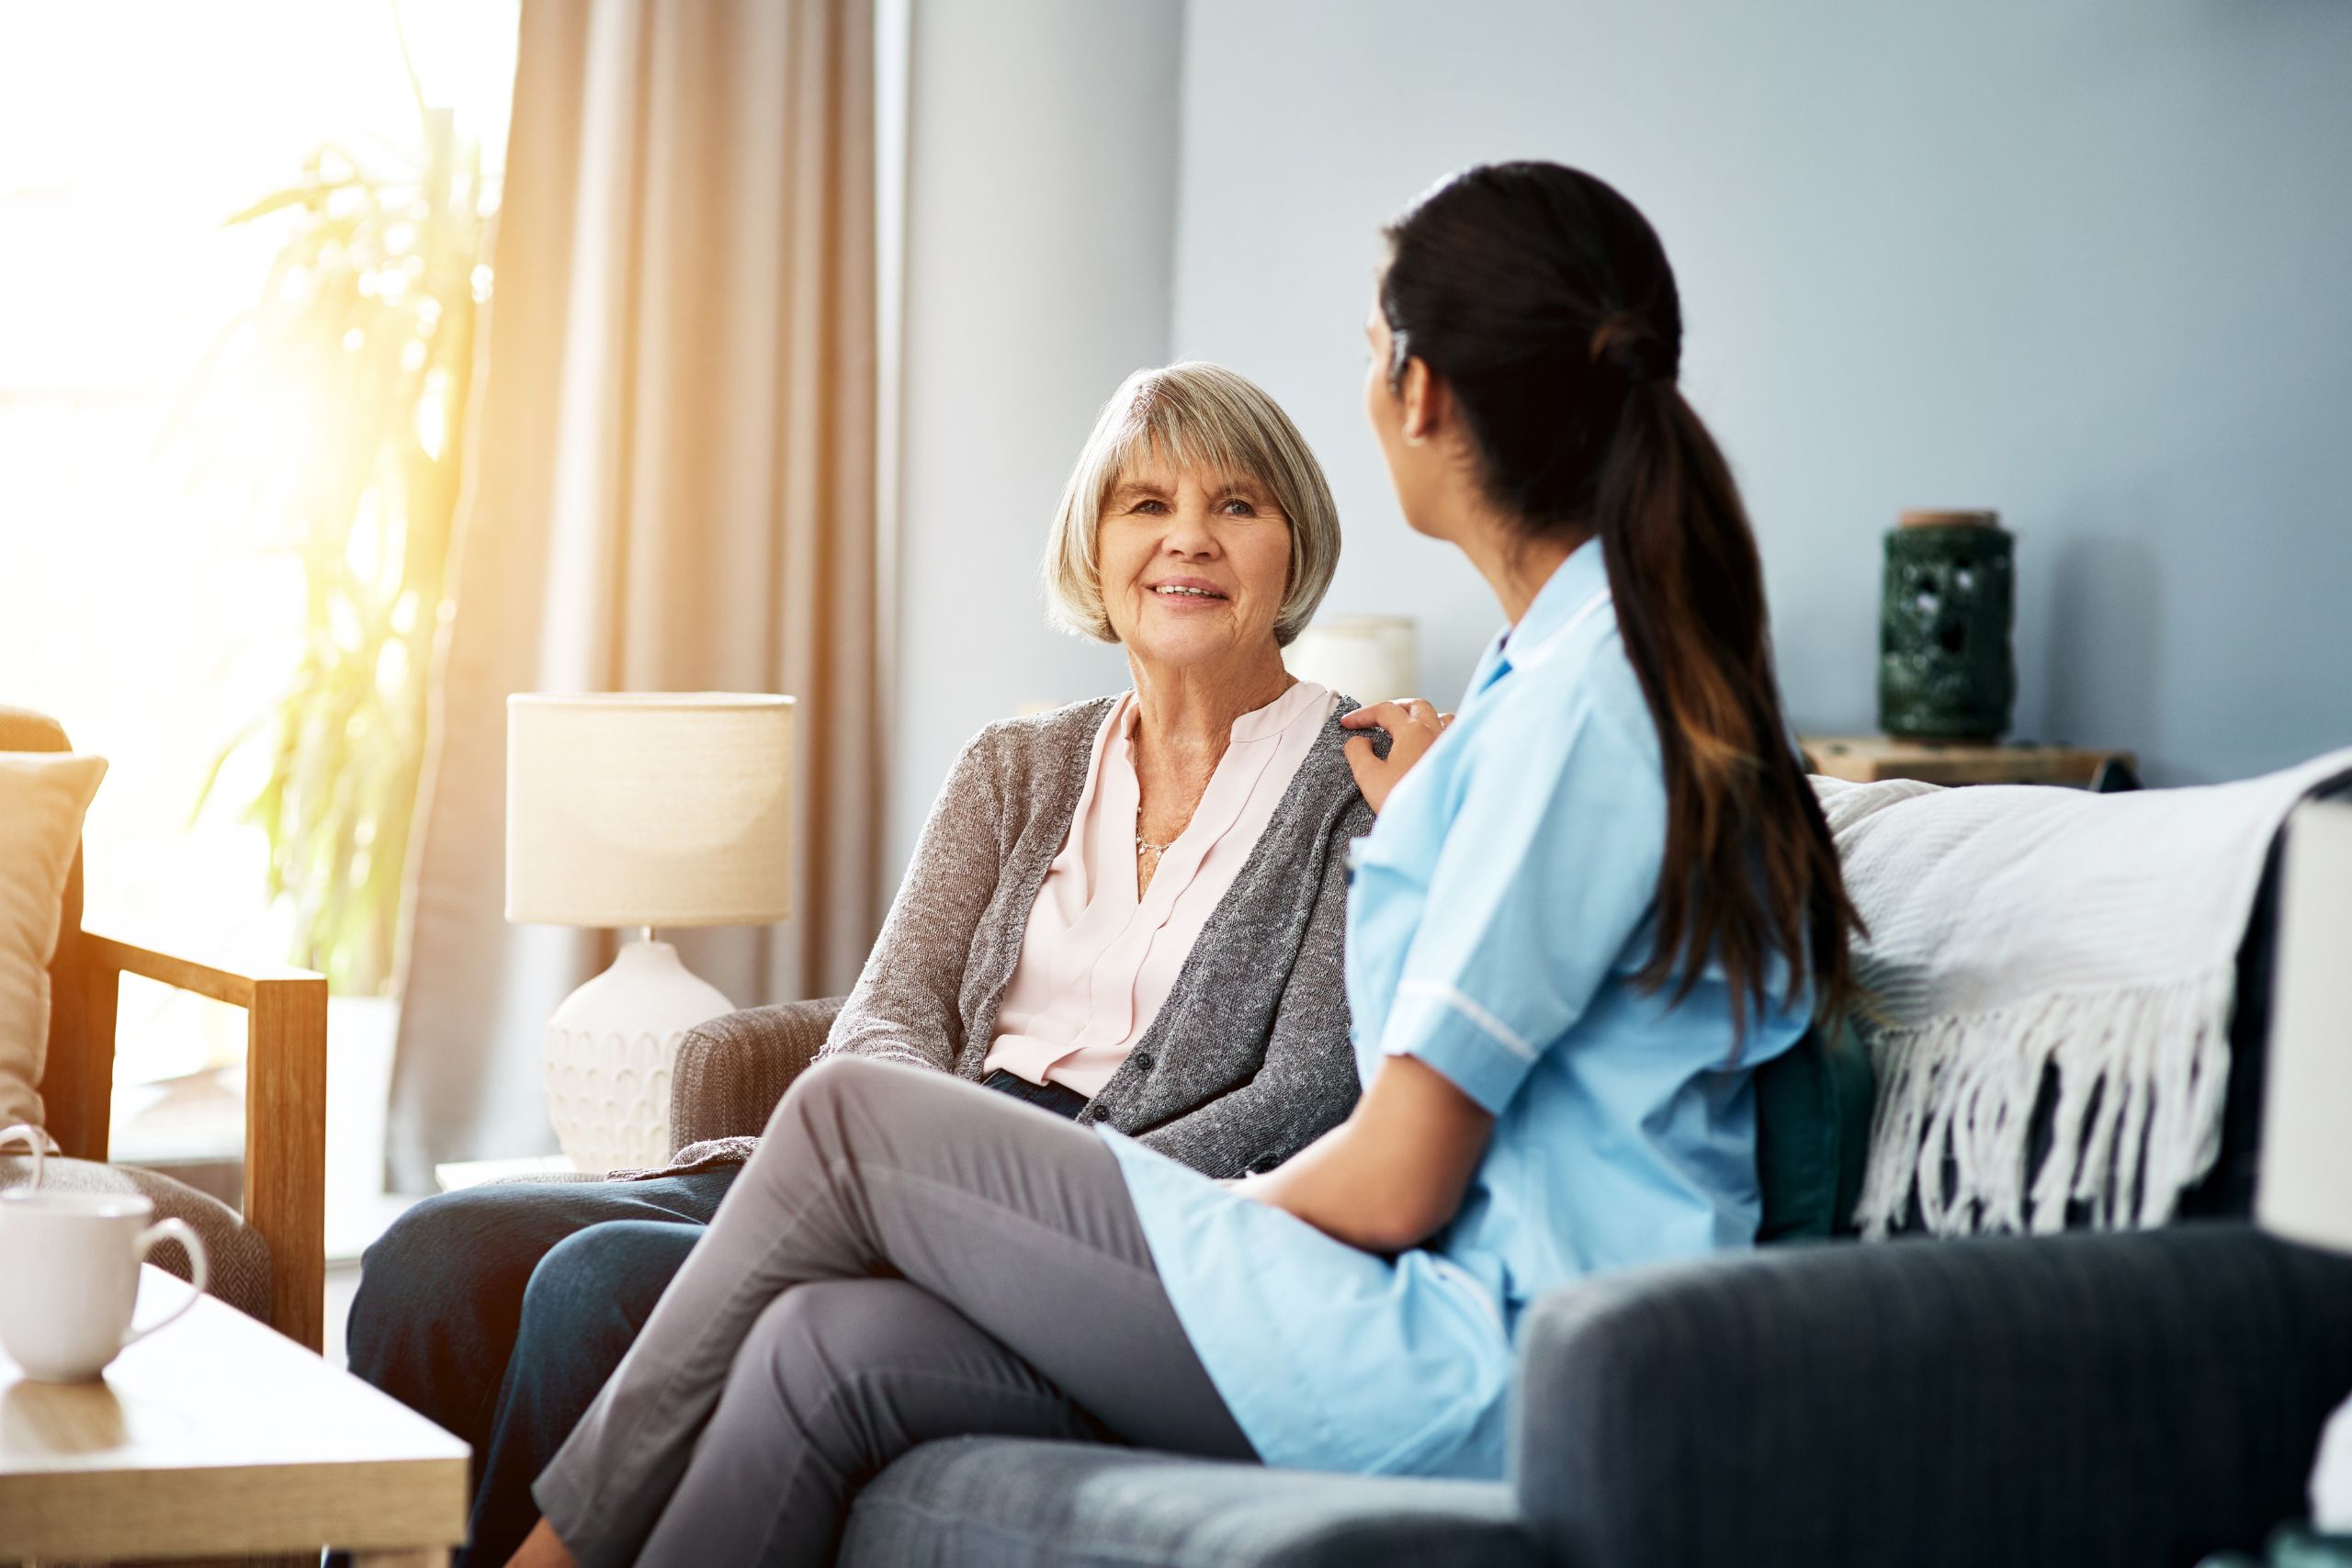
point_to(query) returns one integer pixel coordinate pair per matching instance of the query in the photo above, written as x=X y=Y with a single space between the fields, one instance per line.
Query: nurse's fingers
x=1374 y=777
x=1410 y=733
x=1393 y=716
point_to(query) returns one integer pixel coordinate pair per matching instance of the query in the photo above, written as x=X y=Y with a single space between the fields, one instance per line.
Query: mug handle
x=42 y=1144
x=184 y=1233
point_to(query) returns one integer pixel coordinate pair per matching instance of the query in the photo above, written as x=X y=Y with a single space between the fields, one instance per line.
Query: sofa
x=2079 y=1400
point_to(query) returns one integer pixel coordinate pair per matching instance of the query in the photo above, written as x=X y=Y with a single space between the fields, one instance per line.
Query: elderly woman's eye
x=1151 y=505
x=1239 y=506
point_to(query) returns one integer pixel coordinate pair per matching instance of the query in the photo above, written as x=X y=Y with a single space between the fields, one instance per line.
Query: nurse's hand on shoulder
x=1413 y=726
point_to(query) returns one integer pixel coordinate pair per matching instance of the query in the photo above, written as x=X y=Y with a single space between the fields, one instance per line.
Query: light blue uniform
x=1498 y=911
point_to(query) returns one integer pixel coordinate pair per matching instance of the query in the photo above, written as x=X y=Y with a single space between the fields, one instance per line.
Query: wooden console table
x=1873 y=759
x=220 y=1438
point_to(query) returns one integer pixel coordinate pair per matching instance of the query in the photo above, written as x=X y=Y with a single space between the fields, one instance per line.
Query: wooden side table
x=1873 y=759
x=220 y=1438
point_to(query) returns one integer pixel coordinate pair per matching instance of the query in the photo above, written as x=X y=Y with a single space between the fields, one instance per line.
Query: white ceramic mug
x=69 y=1273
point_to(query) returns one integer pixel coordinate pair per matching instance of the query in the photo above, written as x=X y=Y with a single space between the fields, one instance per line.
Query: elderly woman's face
x=1194 y=563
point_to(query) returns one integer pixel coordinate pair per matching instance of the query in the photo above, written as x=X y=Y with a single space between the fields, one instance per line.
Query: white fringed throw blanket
x=2018 y=929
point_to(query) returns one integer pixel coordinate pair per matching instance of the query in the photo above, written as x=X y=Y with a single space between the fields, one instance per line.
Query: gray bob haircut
x=1198 y=415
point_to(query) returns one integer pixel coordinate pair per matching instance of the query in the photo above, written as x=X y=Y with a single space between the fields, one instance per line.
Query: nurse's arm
x=1392 y=1174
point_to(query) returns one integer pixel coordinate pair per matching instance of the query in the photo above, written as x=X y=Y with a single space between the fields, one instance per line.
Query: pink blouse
x=1097 y=962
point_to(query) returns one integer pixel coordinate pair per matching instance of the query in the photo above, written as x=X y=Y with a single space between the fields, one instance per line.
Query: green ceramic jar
x=1946 y=670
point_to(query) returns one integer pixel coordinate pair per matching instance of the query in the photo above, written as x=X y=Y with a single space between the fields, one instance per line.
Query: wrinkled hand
x=1413 y=727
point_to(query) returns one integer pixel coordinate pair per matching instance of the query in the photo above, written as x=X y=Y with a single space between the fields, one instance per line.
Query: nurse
x=1593 y=901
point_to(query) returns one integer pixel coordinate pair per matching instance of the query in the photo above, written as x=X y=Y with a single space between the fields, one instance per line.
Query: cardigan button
x=1143 y=1061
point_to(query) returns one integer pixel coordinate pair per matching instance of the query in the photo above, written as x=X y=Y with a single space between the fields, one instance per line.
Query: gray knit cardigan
x=1247 y=1060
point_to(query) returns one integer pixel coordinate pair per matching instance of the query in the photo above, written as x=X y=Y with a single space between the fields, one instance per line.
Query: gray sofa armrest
x=732 y=1070
x=2080 y=1400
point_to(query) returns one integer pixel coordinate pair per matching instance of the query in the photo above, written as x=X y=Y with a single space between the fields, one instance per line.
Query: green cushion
x=1813 y=1130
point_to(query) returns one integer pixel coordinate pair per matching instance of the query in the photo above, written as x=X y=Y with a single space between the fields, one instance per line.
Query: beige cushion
x=42 y=799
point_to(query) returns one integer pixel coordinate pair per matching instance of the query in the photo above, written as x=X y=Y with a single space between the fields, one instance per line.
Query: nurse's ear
x=1432 y=418
x=1420 y=392
x=1433 y=459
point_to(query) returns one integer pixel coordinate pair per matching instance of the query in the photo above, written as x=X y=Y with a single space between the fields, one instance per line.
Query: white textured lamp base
x=610 y=1048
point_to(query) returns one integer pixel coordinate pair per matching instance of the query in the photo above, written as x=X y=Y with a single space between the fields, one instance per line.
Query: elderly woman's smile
x=1187 y=588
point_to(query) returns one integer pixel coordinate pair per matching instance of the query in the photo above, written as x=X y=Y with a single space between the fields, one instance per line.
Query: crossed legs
x=908 y=1256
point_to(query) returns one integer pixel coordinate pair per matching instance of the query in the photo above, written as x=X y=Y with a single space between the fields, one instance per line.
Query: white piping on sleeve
x=1494 y=1028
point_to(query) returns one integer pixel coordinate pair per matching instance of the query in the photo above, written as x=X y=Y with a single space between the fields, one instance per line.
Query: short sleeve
x=1548 y=869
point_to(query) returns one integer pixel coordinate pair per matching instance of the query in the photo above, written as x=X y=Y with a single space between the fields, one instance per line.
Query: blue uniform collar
x=1577 y=584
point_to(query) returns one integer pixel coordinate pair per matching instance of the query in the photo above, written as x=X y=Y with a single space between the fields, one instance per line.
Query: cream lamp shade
x=1369 y=657
x=648 y=808
x=2304 y=1188
x=641 y=810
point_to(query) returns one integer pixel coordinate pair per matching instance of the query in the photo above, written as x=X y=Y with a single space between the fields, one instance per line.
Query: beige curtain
x=673 y=489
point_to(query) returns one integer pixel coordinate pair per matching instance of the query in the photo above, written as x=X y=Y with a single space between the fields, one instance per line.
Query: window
x=154 y=606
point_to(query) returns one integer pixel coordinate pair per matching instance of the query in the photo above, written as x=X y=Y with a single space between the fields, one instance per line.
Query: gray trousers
x=907 y=1257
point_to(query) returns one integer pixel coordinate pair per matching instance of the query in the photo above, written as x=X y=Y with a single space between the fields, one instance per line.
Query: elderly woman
x=1127 y=912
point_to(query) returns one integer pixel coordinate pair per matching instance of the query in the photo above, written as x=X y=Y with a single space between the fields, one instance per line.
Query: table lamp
x=2303 y=1188
x=1369 y=657
x=641 y=810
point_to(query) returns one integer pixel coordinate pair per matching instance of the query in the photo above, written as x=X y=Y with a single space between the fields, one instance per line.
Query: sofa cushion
x=42 y=799
x=1017 y=1503
x=239 y=1256
x=1813 y=1134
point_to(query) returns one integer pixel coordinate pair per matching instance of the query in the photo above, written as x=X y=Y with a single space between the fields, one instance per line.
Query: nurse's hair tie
x=1625 y=343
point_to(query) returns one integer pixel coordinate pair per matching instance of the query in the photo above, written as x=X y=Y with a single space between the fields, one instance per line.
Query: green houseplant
x=359 y=358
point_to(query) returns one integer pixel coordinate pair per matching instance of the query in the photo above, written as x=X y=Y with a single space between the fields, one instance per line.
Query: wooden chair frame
x=285 y=1073
x=285 y=1098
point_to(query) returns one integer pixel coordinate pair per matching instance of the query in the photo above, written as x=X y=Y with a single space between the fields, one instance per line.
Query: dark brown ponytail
x=1543 y=299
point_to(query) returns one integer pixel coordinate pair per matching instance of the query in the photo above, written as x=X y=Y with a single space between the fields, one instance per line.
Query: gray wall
x=2089 y=262
x=1040 y=213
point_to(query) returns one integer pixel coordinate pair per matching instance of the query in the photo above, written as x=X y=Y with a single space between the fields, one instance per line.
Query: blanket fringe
x=2142 y=1077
